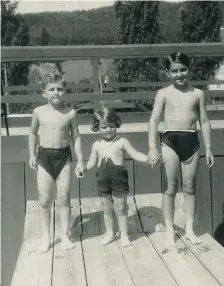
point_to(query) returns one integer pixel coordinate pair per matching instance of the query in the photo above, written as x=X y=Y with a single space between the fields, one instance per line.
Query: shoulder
x=71 y=113
x=124 y=142
x=198 y=93
x=162 y=92
x=39 y=109
x=96 y=145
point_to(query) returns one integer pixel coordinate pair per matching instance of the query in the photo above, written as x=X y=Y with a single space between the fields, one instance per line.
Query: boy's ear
x=167 y=73
x=43 y=93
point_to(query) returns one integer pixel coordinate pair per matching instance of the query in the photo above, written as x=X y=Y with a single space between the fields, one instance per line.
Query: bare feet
x=67 y=243
x=192 y=237
x=45 y=245
x=109 y=237
x=170 y=239
x=125 y=241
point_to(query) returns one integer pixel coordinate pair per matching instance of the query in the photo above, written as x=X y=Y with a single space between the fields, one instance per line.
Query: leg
x=45 y=185
x=189 y=174
x=64 y=197
x=120 y=206
x=108 y=209
x=172 y=169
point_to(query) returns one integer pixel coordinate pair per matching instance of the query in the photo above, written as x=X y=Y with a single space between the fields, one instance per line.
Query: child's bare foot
x=170 y=239
x=45 y=245
x=192 y=237
x=109 y=237
x=125 y=241
x=67 y=243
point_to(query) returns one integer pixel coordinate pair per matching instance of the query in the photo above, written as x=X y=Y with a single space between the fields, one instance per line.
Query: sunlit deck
x=145 y=262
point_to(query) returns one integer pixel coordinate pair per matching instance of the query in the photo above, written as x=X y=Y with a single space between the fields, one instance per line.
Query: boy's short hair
x=177 y=57
x=50 y=74
x=108 y=114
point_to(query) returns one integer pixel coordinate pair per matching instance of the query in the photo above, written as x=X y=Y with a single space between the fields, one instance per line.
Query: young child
x=182 y=105
x=53 y=160
x=112 y=177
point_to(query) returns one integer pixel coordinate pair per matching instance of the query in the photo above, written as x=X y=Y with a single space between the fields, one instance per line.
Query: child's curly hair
x=104 y=113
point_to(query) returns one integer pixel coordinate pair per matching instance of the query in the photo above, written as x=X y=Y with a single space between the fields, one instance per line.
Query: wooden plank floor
x=144 y=263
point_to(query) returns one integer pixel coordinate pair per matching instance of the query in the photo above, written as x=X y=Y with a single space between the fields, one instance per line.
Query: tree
x=44 y=37
x=200 y=23
x=14 y=32
x=137 y=23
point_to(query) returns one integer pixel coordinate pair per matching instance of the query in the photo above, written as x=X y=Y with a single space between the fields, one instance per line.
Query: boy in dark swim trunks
x=182 y=105
x=55 y=122
x=112 y=177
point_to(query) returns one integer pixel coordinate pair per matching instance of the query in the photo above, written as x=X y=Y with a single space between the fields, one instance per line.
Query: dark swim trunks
x=111 y=178
x=184 y=143
x=53 y=159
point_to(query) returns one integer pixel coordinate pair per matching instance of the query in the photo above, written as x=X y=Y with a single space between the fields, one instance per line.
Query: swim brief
x=111 y=178
x=53 y=159
x=184 y=143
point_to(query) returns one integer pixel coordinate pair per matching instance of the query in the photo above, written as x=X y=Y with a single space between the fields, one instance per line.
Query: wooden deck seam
x=83 y=258
x=125 y=261
x=161 y=259
x=206 y=268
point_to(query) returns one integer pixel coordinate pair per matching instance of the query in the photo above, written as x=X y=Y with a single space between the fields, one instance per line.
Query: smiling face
x=107 y=129
x=54 y=92
x=179 y=74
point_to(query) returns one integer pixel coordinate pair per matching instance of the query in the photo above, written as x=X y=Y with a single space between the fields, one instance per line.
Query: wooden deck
x=144 y=263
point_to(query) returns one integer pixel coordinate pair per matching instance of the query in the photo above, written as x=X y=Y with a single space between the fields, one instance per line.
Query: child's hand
x=209 y=158
x=33 y=162
x=153 y=156
x=80 y=169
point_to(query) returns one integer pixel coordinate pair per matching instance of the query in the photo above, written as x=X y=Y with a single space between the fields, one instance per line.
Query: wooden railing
x=95 y=53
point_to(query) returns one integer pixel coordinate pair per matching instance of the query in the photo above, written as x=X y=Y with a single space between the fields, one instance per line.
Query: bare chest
x=54 y=120
x=182 y=102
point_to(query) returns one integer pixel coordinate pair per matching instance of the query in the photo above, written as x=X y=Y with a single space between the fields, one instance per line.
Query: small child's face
x=178 y=73
x=107 y=129
x=54 y=92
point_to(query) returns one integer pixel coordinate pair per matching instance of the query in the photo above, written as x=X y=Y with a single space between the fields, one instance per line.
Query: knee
x=171 y=190
x=189 y=188
x=121 y=209
x=44 y=201
x=108 y=210
x=64 y=201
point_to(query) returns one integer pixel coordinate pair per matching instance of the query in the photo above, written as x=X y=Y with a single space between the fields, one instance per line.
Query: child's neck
x=109 y=139
x=182 y=88
x=58 y=107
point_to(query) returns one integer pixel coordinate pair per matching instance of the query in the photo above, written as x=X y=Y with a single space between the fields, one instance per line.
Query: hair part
x=105 y=114
x=177 y=57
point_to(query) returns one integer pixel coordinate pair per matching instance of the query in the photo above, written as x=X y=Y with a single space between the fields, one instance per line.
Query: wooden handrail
x=98 y=96
x=49 y=53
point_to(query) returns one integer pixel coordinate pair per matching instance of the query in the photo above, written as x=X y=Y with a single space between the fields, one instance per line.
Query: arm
x=205 y=128
x=76 y=141
x=154 y=119
x=133 y=153
x=32 y=141
x=153 y=155
x=93 y=157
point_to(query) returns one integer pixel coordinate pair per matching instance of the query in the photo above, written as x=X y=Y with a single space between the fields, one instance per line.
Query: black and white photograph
x=112 y=143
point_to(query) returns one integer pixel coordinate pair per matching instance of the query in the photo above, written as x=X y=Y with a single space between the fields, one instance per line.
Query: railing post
x=97 y=81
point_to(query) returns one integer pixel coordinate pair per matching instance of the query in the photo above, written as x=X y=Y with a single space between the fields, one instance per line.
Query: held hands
x=80 y=169
x=209 y=158
x=153 y=156
x=33 y=162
